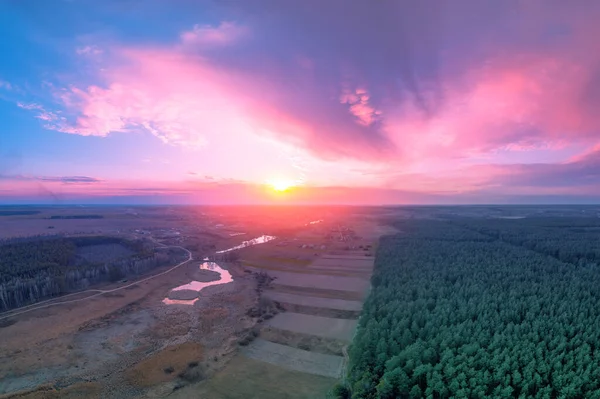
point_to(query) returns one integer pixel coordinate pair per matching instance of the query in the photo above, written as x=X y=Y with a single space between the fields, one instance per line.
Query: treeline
x=571 y=240
x=18 y=213
x=77 y=217
x=31 y=271
x=455 y=312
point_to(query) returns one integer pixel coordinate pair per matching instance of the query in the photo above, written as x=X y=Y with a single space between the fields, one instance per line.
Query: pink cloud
x=208 y=192
x=358 y=104
x=42 y=113
x=30 y=106
x=47 y=116
x=177 y=101
x=530 y=102
x=53 y=119
x=186 y=100
x=467 y=179
x=420 y=99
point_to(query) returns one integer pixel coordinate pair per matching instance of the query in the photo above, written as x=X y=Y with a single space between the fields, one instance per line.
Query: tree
x=526 y=291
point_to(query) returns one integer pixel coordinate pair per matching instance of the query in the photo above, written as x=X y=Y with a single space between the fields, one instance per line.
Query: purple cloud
x=53 y=179
x=419 y=89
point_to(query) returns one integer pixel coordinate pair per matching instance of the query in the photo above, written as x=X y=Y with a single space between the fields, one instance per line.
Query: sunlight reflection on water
x=224 y=275
x=254 y=241
x=198 y=285
x=314 y=222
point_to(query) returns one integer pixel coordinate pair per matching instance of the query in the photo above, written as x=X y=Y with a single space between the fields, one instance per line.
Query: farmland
x=326 y=327
x=255 y=378
x=295 y=359
x=123 y=339
x=307 y=340
x=316 y=302
x=280 y=318
x=320 y=281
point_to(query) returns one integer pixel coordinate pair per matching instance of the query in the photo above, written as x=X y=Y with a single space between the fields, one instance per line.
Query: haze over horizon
x=226 y=102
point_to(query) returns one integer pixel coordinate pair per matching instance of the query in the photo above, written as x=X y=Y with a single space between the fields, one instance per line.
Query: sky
x=358 y=102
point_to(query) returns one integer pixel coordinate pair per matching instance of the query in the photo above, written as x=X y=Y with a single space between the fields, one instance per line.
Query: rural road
x=45 y=304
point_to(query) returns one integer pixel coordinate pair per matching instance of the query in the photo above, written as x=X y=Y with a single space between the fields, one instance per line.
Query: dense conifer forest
x=76 y=217
x=476 y=308
x=43 y=267
x=18 y=213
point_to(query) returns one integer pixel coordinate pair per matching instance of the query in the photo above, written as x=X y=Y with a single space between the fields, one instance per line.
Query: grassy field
x=295 y=359
x=327 y=327
x=365 y=263
x=305 y=342
x=318 y=292
x=166 y=365
x=326 y=271
x=245 y=378
x=303 y=300
x=88 y=390
x=349 y=256
x=355 y=284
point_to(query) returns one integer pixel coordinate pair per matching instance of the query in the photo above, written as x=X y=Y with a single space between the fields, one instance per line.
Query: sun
x=281 y=185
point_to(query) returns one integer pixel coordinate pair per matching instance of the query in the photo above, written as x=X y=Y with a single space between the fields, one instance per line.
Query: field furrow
x=319 y=326
x=295 y=359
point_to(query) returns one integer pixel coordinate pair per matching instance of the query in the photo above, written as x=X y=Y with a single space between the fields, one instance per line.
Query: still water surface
x=249 y=243
x=224 y=275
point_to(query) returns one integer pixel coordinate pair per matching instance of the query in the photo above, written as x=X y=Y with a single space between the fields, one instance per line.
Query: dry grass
x=304 y=270
x=212 y=314
x=319 y=326
x=350 y=263
x=315 y=302
x=89 y=390
x=318 y=292
x=247 y=378
x=289 y=254
x=211 y=317
x=286 y=260
x=322 y=281
x=295 y=359
x=305 y=342
x=174 y=324
x=320 y=311
x=165 y=365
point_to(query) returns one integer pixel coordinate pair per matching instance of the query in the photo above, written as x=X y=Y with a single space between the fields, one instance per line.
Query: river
x=224 y=275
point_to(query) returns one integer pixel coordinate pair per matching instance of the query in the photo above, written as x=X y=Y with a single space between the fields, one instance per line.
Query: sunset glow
x=281 y=184
x=396 y=102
